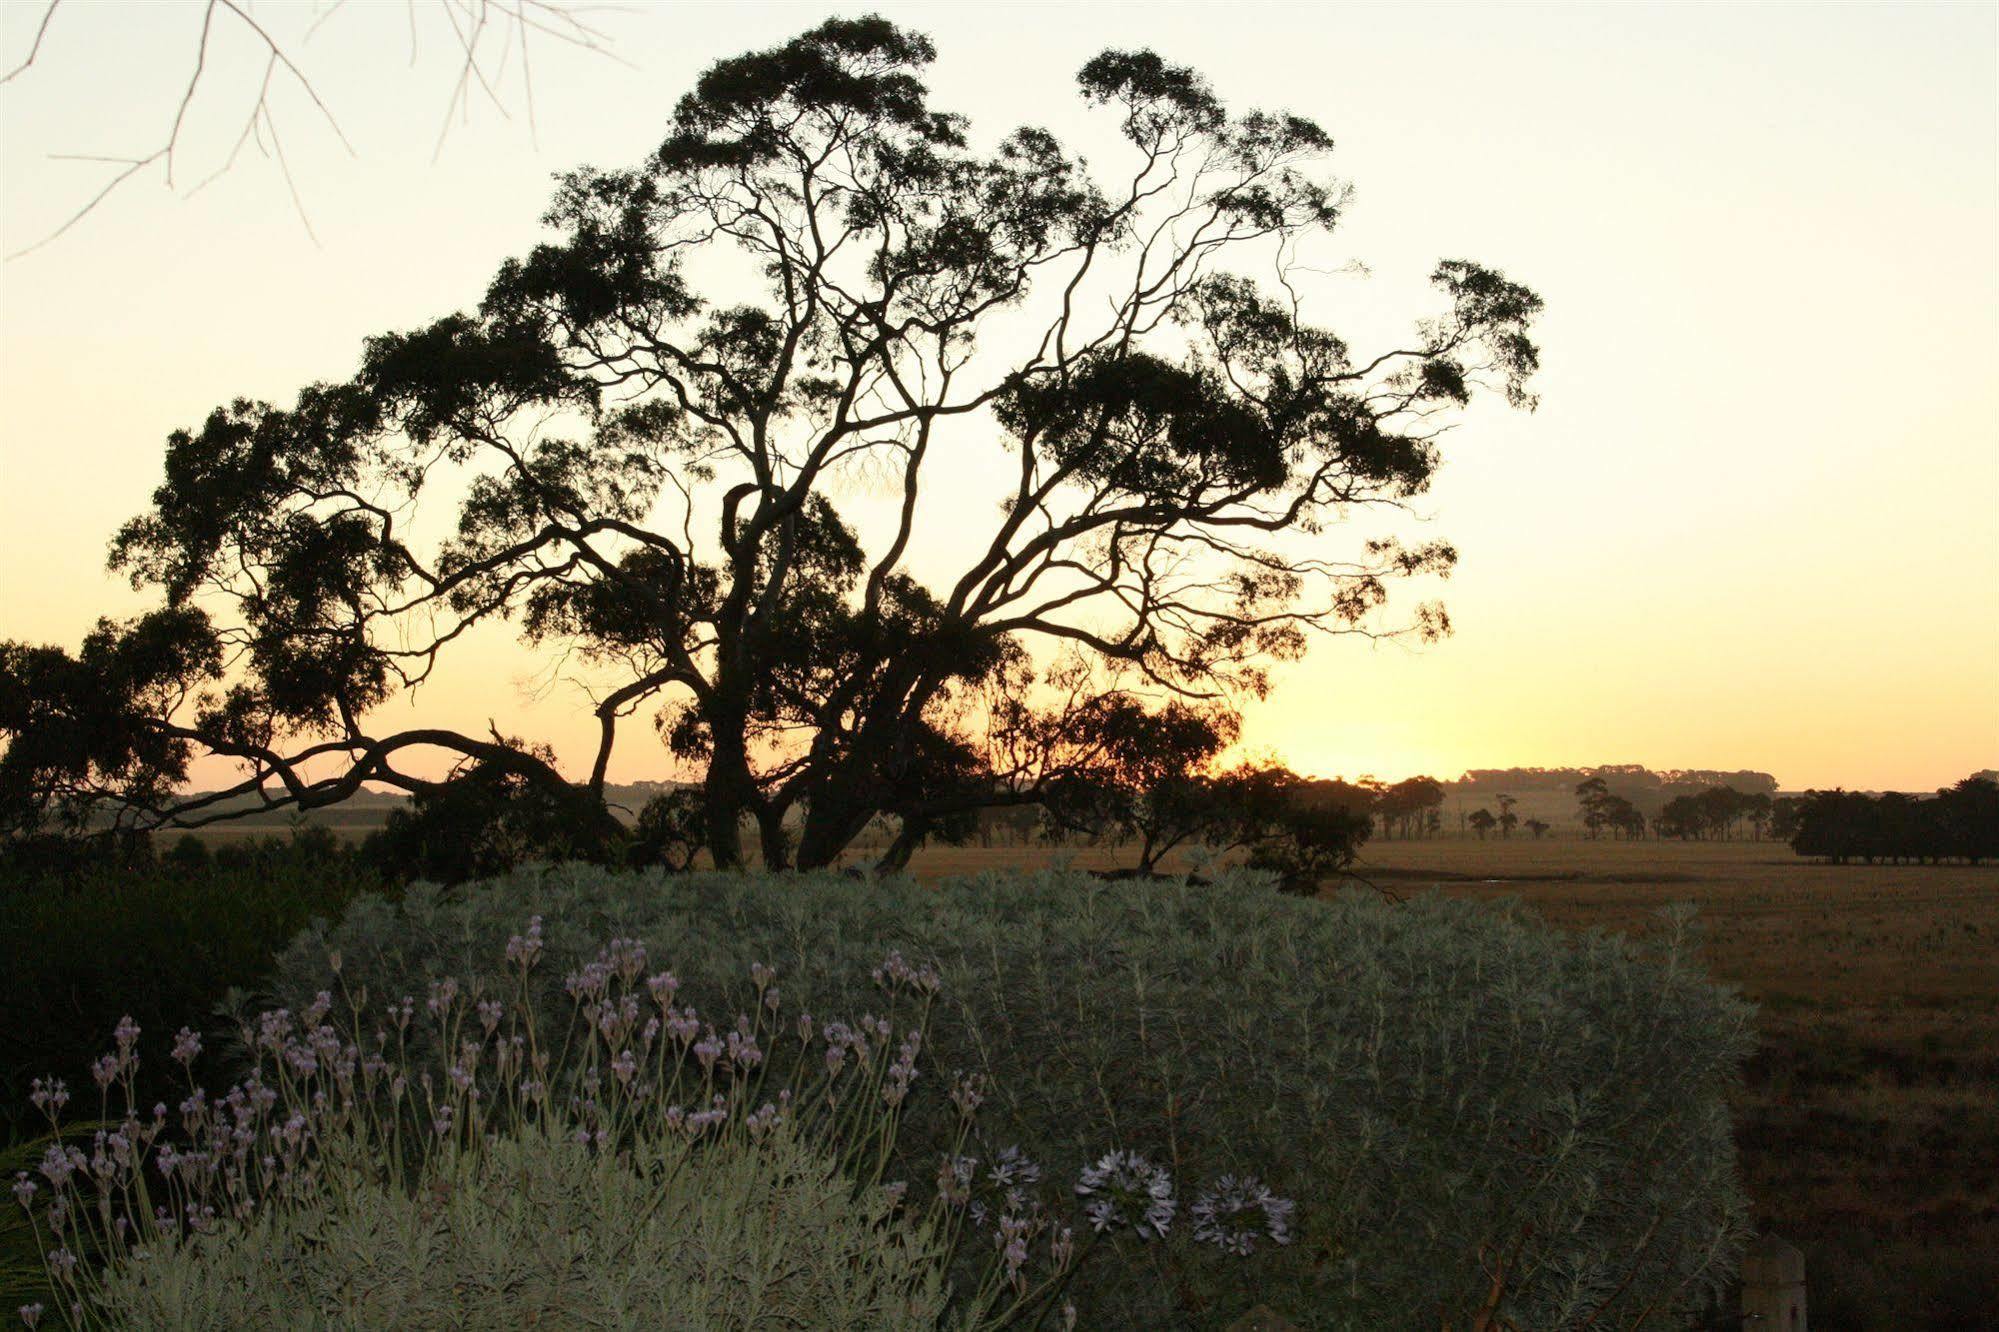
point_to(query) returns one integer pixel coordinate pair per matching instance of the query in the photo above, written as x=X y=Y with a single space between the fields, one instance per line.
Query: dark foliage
x=93 y=939
x=1960 y=822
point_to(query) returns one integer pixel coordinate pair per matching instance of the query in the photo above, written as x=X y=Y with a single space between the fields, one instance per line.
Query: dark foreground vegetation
x=1468 y=1110
x=91 y=936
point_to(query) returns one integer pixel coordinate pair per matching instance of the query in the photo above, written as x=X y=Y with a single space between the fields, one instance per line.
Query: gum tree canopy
x=819 y=293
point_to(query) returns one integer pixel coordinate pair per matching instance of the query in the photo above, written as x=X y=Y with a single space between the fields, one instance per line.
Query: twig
x=40 y=31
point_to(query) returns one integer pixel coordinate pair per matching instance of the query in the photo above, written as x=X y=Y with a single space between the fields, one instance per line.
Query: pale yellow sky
x=1755 y=522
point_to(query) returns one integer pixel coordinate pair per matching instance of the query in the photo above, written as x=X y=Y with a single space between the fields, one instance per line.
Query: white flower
x=1124 y=1189
x=1237 y=1213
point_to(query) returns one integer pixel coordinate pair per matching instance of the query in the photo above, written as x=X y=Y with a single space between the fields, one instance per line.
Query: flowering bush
x=465 y=1161
x=1477 y=1115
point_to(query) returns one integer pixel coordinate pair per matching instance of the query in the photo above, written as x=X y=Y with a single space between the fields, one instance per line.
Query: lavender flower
x=442 y=994
x=1012 y=1242
x=187 y=1044
x=708 y=1049
x=49 y=1097
x=743 y=1051
x=1124 y=1189
x=627 y=957
x=31 y=1314
x=524 y=951
x=1236 y=1214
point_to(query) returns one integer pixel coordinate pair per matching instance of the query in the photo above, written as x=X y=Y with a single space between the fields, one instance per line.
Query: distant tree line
x=1959 y=822
x=1631 y=778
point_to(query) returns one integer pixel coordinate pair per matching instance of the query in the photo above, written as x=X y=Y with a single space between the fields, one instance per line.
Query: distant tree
x=1757 y=807
x=1303 y=831
x=1784 y=812
x=1148 y=781
x=1405 y=809
x=1593 y=797
x=488 y=817
x=1538 y=828
x=1721 y=808
x=670 y=831
x=1624 y=818
x=636 y=448
x=1482 y=822
x=1508 y=820
x=1969 y=819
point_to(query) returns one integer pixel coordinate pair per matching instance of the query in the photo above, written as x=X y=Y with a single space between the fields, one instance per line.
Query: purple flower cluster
x=1125 y=1189
x=1237 y=1214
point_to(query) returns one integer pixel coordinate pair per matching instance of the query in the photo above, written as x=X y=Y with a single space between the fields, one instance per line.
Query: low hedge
x=160 y=940
x=1476 y=1115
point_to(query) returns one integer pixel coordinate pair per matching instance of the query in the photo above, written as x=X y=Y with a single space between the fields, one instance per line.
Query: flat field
x=1869 y=1128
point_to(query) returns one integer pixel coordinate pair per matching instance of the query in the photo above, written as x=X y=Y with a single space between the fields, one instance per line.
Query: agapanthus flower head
x=1237 y=1214
x=1125 y=1189
x=1003 y=1187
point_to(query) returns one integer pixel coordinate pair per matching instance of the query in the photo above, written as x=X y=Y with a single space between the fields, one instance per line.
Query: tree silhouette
x=1482 y=822
x=1594 y=797
x=637 y=440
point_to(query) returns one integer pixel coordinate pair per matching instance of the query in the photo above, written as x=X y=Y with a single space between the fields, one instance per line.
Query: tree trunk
x=774 y=839
x=896 y=858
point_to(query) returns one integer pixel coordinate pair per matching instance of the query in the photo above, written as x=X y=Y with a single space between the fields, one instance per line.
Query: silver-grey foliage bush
x=1478 y=1116
x=538 y=1230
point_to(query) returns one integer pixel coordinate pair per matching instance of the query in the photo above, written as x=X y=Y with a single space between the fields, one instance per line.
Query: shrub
x=1476 y=1115
x=539 y=1230
x=473 y=1162
x=90 y=941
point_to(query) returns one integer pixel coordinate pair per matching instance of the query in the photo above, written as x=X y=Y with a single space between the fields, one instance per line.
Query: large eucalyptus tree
x=820 y=287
